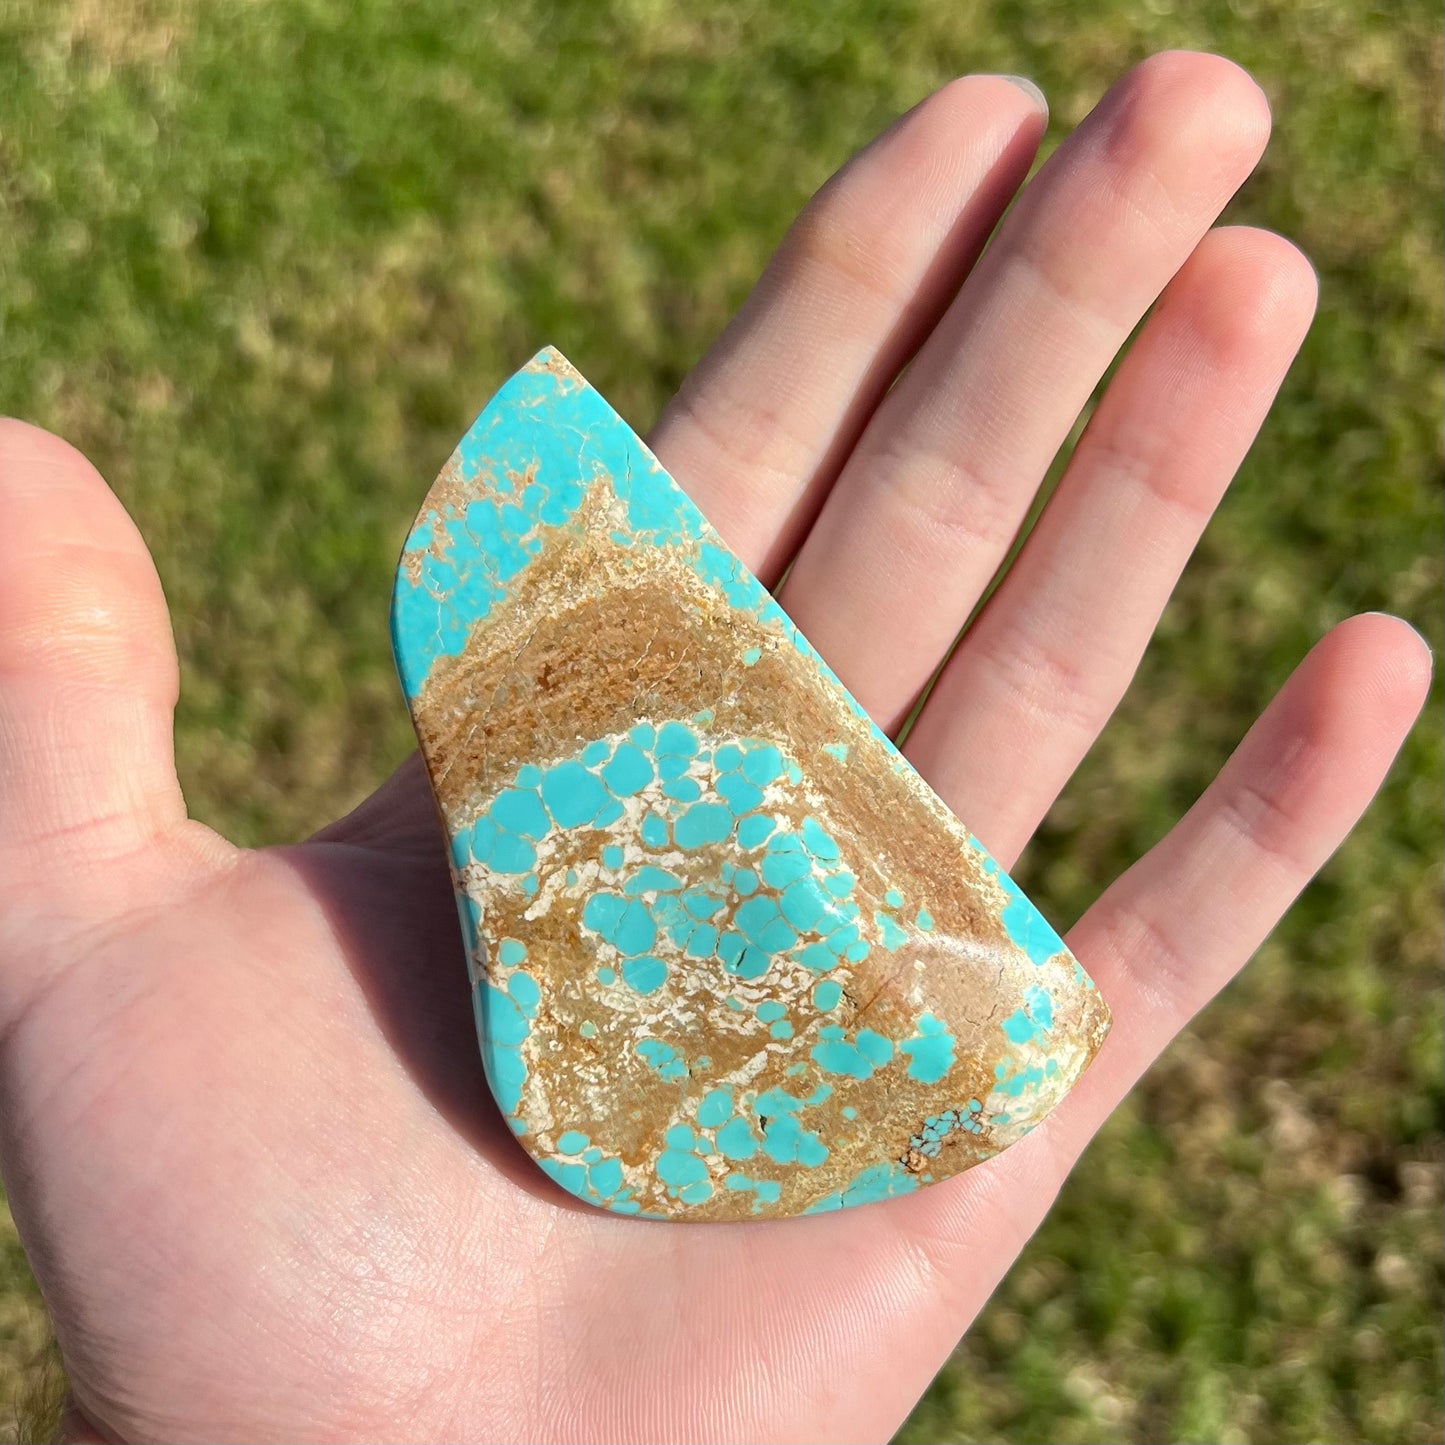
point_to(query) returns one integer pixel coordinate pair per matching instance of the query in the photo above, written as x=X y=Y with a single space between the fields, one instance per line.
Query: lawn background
x=263 y=261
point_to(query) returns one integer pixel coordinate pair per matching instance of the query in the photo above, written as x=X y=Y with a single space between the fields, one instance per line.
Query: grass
x=263 y=261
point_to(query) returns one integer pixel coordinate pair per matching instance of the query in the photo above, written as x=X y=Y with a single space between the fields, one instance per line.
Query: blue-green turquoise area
x=730 y=956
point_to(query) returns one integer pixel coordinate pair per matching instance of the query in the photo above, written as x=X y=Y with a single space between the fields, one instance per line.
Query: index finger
x=763 y=424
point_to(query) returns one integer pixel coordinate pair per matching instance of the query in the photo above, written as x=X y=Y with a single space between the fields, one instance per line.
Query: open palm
x=245 y=1128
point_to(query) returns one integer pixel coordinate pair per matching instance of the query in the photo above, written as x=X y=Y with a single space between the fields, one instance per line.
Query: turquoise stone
x=730 y=956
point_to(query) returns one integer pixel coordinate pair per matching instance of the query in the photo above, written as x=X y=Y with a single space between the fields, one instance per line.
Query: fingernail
x=1029 y=89
x=1419 y=636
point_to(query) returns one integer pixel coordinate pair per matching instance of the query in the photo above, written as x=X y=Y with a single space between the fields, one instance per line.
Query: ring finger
x=928 y=504
x=1048 y=659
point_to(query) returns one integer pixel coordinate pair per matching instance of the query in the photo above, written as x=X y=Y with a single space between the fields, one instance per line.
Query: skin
x=242 y=1118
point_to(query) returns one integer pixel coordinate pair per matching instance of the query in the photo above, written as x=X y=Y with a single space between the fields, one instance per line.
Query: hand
x=244 y=1123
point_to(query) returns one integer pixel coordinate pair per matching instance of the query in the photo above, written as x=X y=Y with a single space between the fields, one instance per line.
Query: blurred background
x=264 y=261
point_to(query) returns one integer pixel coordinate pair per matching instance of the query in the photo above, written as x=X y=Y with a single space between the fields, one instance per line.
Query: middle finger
x=929 y=503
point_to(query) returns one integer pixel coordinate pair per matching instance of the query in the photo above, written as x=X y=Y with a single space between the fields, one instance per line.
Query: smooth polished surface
x=730 y=955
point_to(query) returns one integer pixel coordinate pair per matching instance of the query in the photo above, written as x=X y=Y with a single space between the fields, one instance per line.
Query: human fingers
x=1041 y=670
x=929 y=502
x=761 y=426
x=88 y=684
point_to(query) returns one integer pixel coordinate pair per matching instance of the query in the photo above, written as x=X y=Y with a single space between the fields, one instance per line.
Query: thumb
x=88 y=676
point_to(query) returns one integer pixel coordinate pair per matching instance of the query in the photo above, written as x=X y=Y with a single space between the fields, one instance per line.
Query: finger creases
x=930 y=501
x=88 y=673
x=761 y=427
x=1174 y=929
x=1047 y=660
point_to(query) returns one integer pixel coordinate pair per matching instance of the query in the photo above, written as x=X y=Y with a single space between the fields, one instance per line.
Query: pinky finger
x=1174 y=929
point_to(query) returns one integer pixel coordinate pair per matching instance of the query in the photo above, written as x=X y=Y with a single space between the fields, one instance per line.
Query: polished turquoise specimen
x=730 y=956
